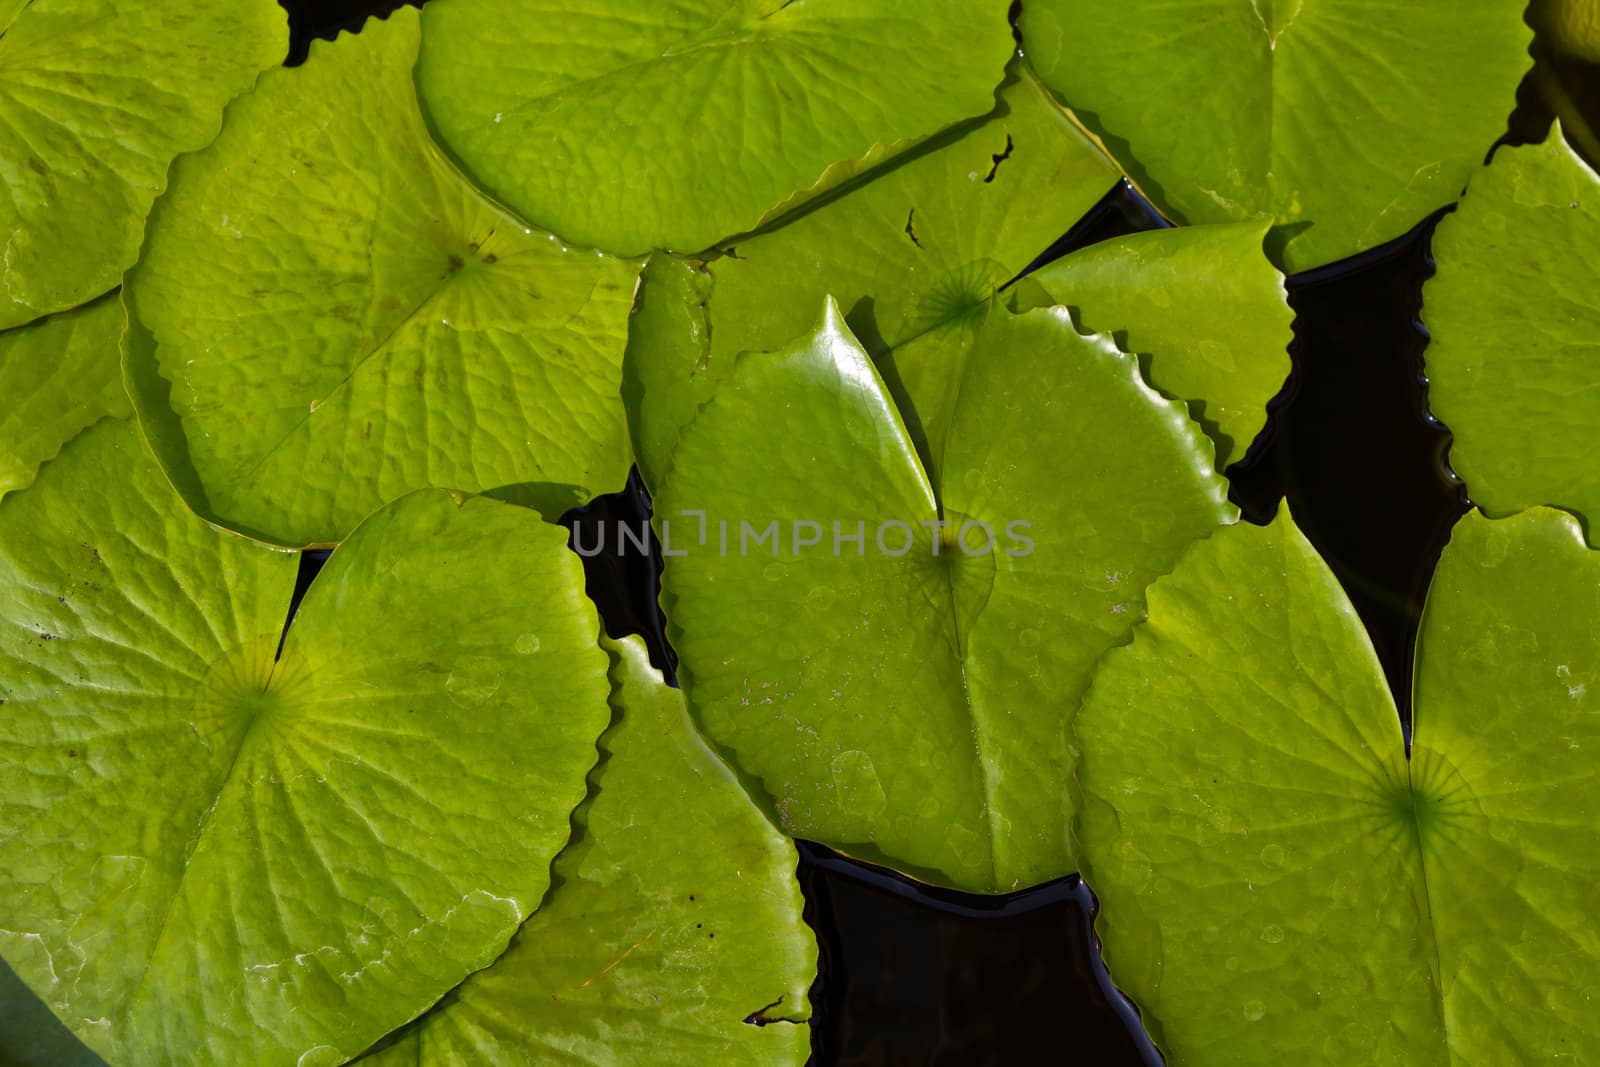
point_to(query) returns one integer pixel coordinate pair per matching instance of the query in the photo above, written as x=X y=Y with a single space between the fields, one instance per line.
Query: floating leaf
x=1515 y=322
x=98 y=99
x=1202 y=306
x=327 y=316
x=1345 y=121
x=632 y=126
x=212 y=855
x=921 y=242
x=59 y=376
x=672 y=934
x=904 y=705
x=1279 y=884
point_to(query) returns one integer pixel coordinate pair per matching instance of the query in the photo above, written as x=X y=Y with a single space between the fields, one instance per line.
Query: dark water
x=1351 y=447
x=915 y=975
x=313 y=19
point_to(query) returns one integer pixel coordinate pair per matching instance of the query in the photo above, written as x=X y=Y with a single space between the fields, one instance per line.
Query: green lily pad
x=920 y=243
x=673 y=932
x=212 y=855
x=59 y=376
x=902 y=705
x=1202 y=306
x=1279 y=884
x=328 y=316
x=98 y=99
x=1514 y=317
x=1316 y=119
x=630 y=125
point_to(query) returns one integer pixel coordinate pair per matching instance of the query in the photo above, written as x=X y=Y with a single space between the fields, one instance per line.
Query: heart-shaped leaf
x=1279 y=884
x=919 y=243
x=631 y=125
x=98 y=99
x=1514 y=316
x=1345 y=121
x=899 y=689
x=327 y=316
x=59 y=376
x=673 y=933
x=211 y=853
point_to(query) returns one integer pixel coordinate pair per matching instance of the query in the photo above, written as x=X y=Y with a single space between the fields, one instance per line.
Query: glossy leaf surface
x=212 y=856
x=1514 y=316
x=907 y=706
x=98 y=99
x=1279 y=884
x=631 y=125
x=1346 y=121
x=328 y=316
x=673 y=932
x=921 y=242
x=1202 y=307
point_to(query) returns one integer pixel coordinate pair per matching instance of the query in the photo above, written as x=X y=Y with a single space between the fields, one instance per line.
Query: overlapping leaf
x=1279 y=883
x=98 y=98
x=894 y=702
x=673 y=932
x=1345 y=121
x=928 y=242
x=631 y=125
x=327 y=316
x=1204 y=309
x=213 y=853
x=918 y=244
x=58 y=376
x=1514 y=316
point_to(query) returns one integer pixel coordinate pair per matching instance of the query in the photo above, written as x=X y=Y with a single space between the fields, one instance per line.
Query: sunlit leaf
x=672 y=934
x=98 y=98
x=920 y=243
x=929 y=240
x=211 y=853
x=1346 y=121
x=1279 y=883
x=631 y=125
x=327 y=316
x=1514 y=316
x=1203 y=308
x=902 y=705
